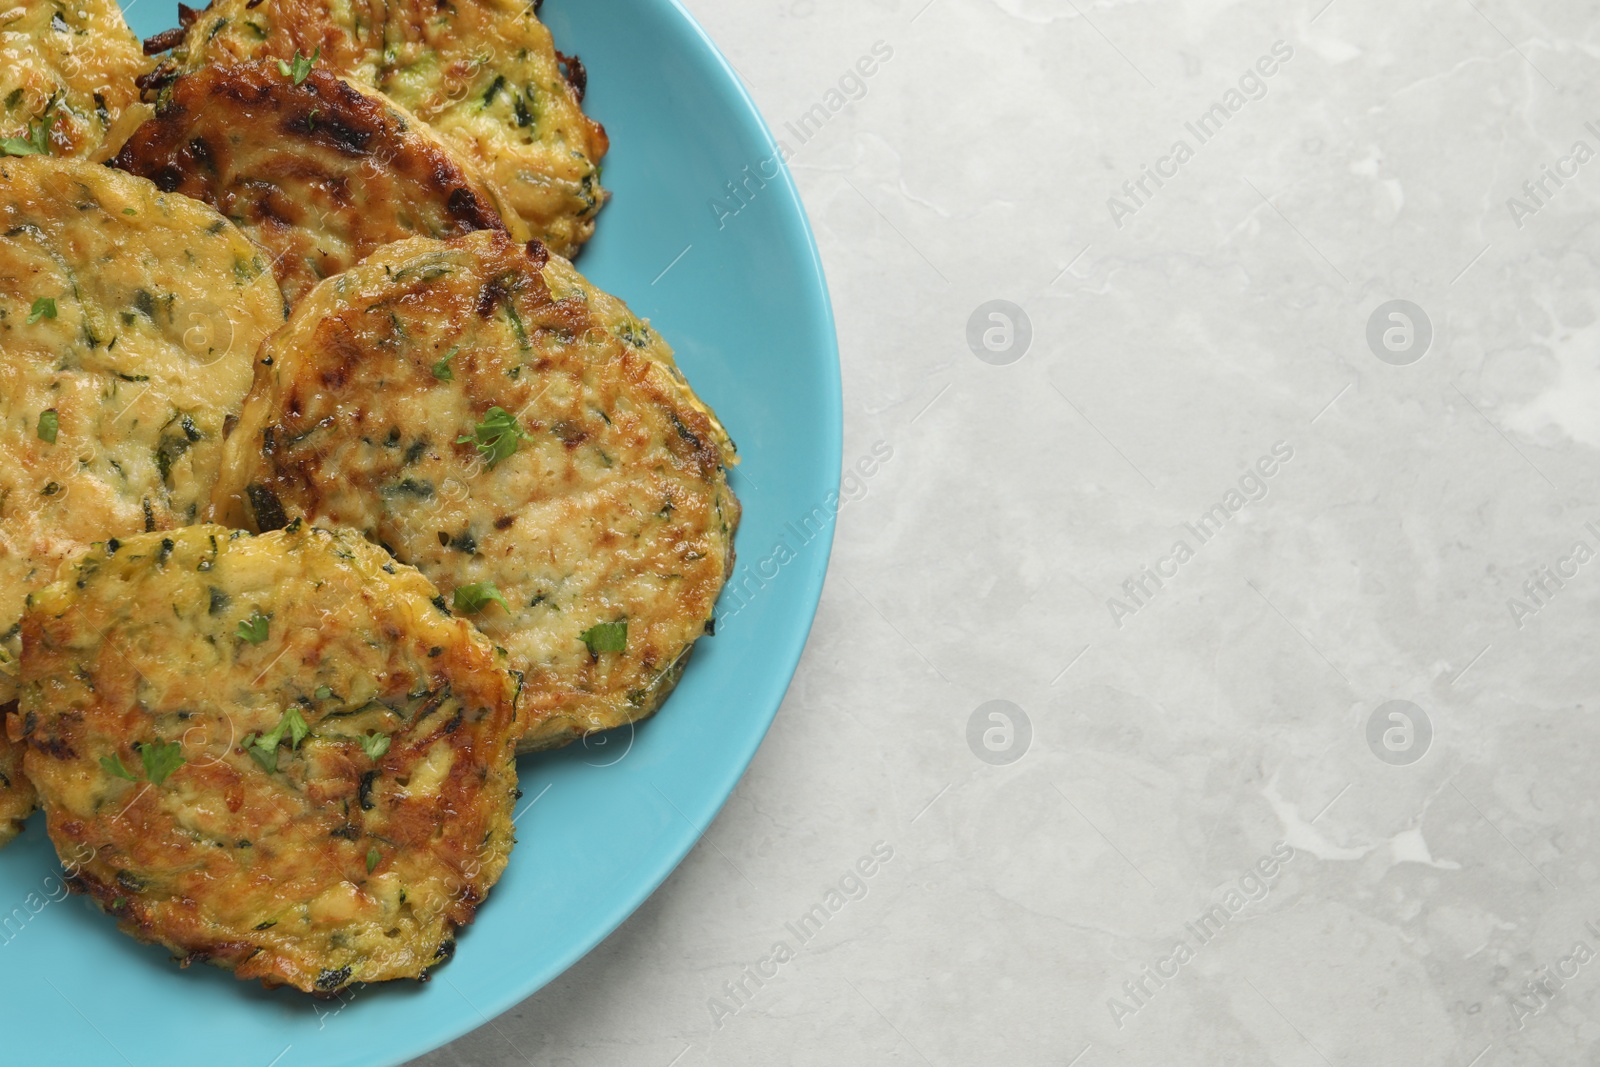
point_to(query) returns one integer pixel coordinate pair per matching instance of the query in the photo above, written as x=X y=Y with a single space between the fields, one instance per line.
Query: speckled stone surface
x=1287 y=590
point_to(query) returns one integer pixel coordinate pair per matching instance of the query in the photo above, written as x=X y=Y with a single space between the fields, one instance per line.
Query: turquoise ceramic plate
x=742 y=299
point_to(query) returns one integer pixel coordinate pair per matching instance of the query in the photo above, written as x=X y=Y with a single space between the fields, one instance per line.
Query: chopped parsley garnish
x=374 y=745
x=323 y=692
x=253 y=629
x=496 y=436
x=112 y=765
x=297 y=70
x=43 y=308
x=606 y=637
x=266 y=756
x=264 y=748
x=441 y=369
x=471 y=599
x=37 y=143
x=49 y=425
x=160 y=759
x=296 y=724
x=374 y=857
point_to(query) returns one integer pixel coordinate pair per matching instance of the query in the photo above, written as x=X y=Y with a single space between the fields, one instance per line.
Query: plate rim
x=814 y=574
x=761 y=692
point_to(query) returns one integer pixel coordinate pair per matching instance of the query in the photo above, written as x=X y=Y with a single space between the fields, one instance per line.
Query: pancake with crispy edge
x=319 y=172
x=484 y=73
x=480 y=410
x=278 y=753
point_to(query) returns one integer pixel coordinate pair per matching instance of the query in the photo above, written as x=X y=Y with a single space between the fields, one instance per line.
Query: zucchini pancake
x=66 y=76
x=318 y=171
x=484 y=73
x=282 y=754
x=16 y=792
x=129 y=320
x=486 y=415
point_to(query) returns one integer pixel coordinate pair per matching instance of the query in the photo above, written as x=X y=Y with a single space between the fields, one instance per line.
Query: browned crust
x=319 y=174
x=546 y=170
x=576 y=74
x=17 y=798
x=164 y=41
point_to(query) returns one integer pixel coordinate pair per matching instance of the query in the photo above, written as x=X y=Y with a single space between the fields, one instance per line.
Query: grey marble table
x=1205 y=674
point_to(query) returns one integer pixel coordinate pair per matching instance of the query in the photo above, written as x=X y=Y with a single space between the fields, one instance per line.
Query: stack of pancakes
x=327 y=484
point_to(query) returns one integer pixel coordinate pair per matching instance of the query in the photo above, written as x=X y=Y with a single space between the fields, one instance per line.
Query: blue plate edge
x=814 y=574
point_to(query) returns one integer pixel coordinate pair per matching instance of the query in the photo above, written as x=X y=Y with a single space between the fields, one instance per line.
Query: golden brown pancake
x=319 y=173
x=281 y=755
x=129 y=320
x=520 y=437
x=484 y=73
